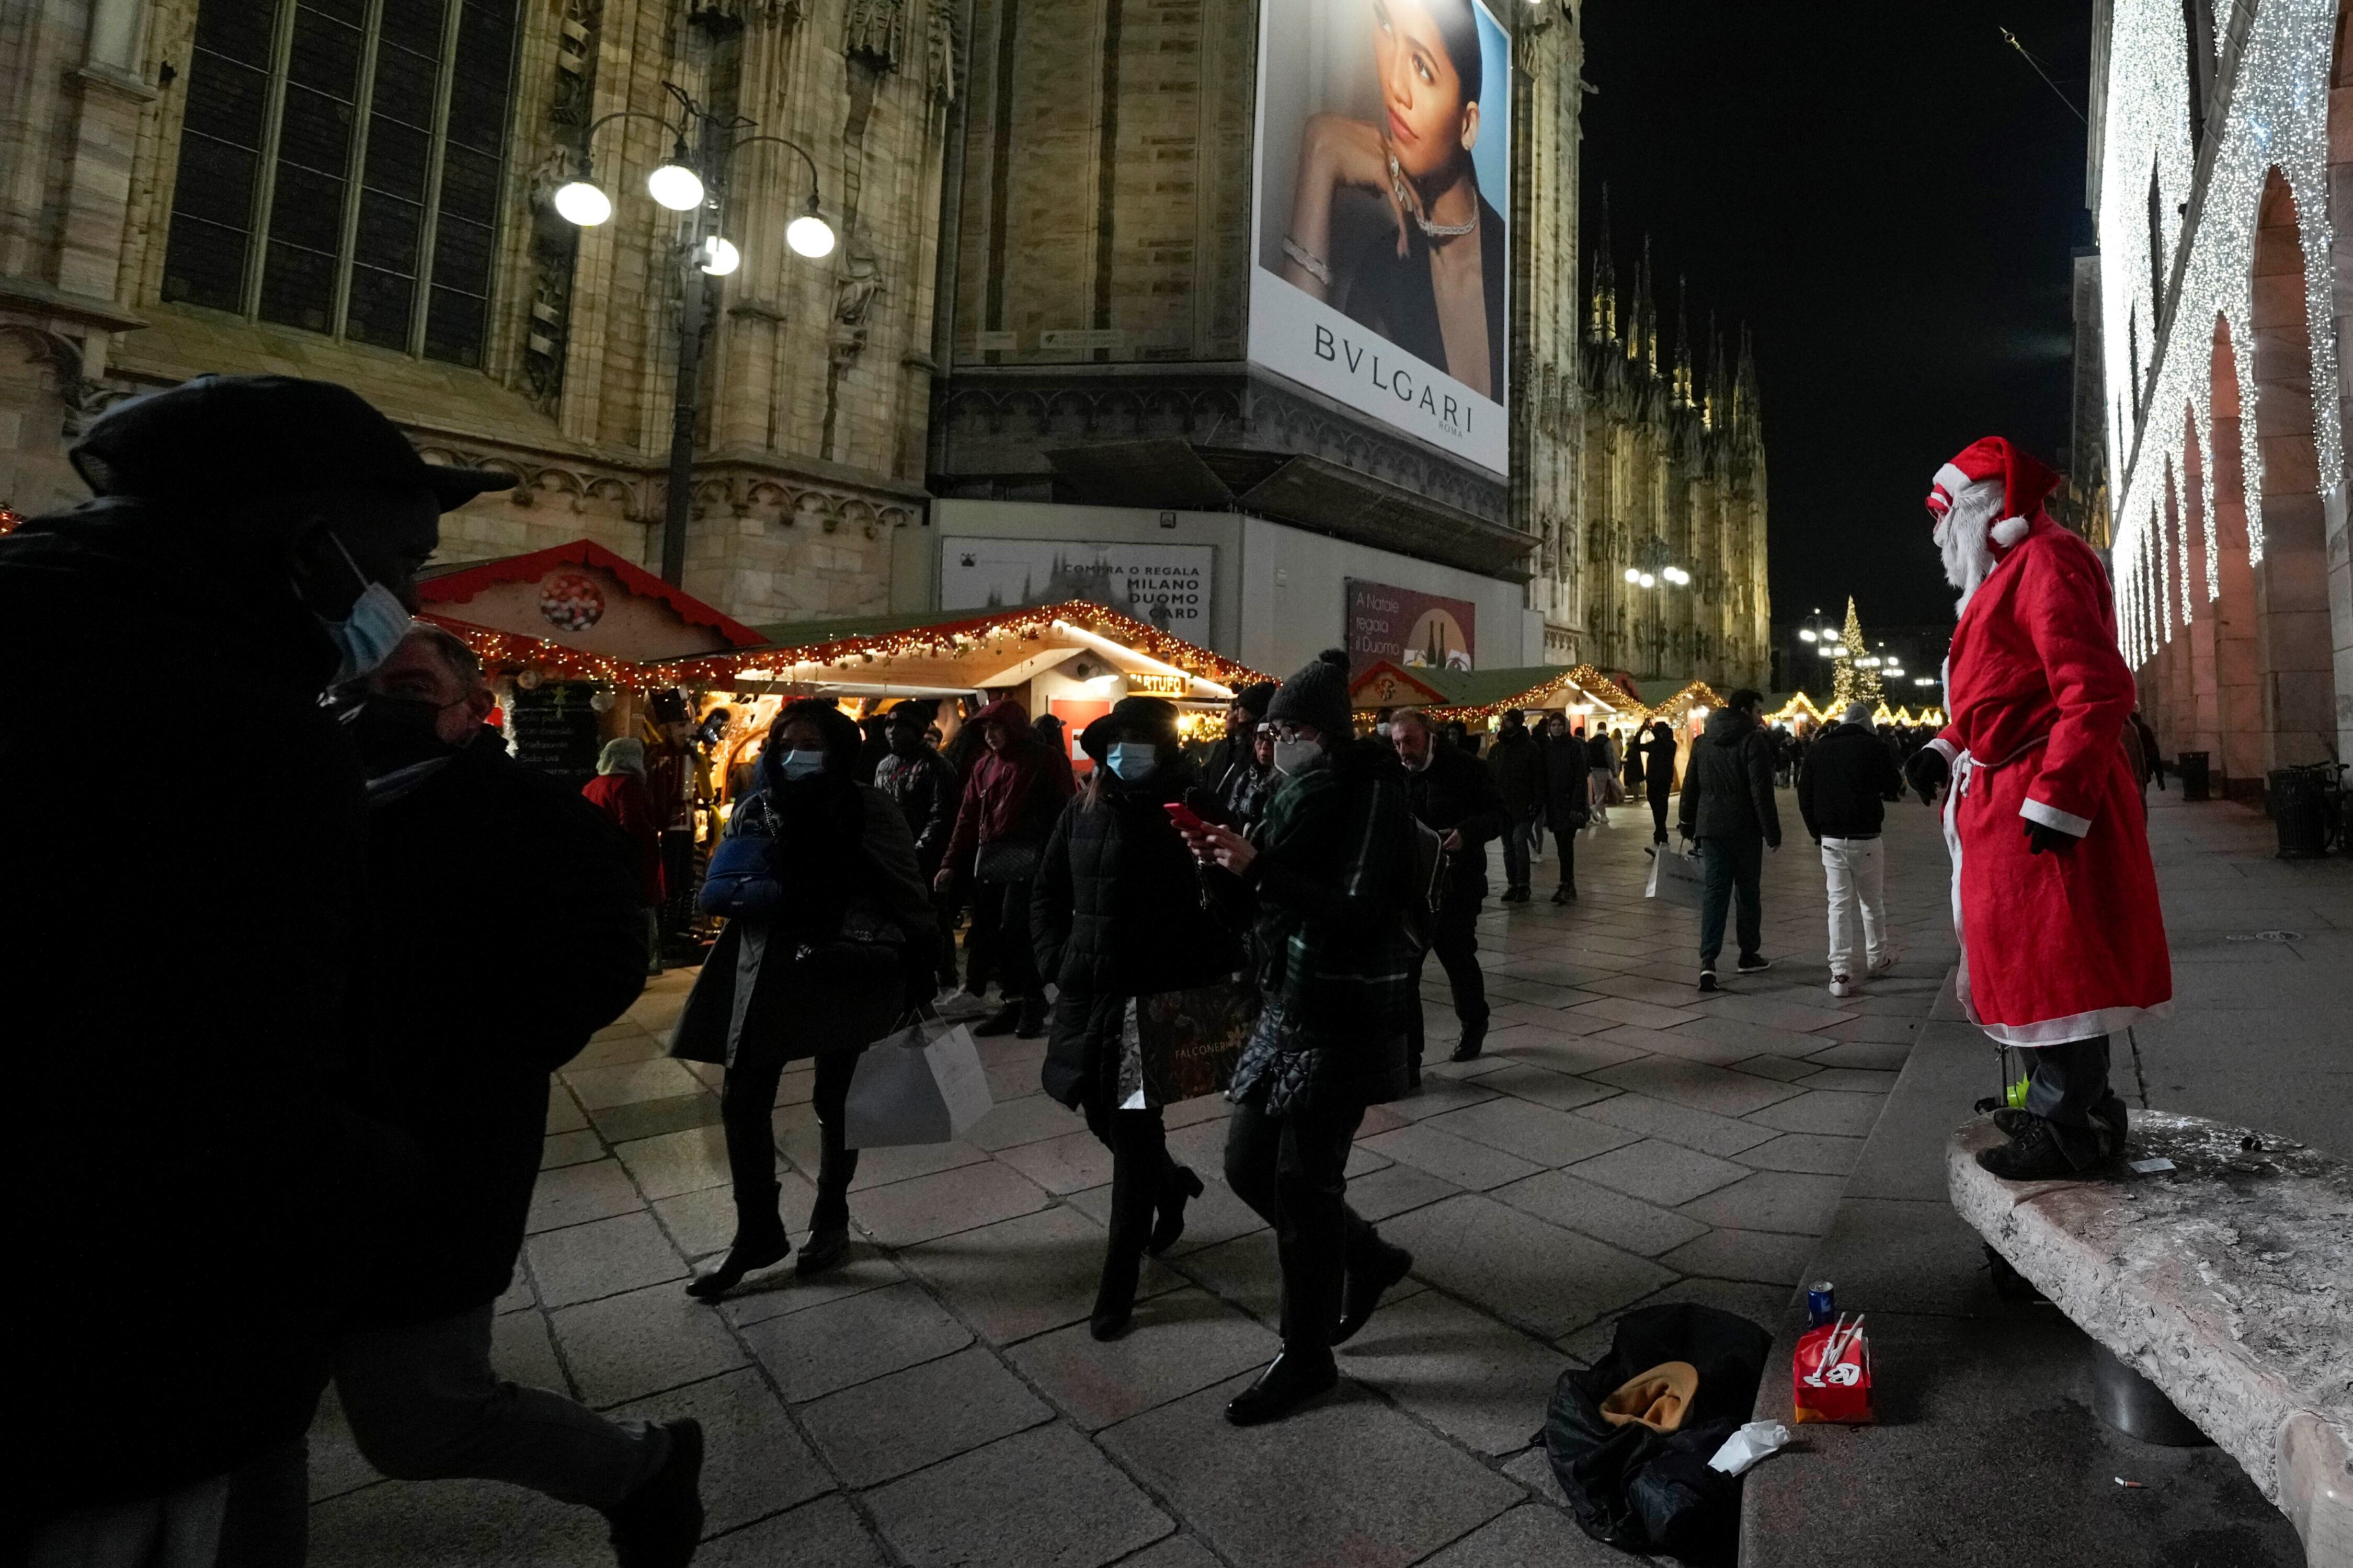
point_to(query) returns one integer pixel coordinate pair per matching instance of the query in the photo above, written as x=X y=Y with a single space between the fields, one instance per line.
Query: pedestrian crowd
x=331 y=1169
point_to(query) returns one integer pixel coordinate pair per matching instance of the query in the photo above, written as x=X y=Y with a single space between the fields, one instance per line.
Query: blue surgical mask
x=1133 y=761
x=798 y=765
x=372 y=629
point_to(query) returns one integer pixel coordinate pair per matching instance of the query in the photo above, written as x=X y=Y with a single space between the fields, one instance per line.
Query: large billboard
x=1380 y=252
x=1164 y=585
x=1409 y=629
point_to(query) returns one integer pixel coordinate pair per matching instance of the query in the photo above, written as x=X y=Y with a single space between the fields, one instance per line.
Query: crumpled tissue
x=1757 y=1440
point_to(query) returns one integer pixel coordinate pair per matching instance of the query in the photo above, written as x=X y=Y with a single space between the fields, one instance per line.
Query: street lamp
x=691 y=182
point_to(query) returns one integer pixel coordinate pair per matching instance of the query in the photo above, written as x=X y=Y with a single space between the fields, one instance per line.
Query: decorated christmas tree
x=1851 y=680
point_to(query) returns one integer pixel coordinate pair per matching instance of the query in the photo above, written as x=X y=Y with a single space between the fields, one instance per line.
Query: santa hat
x=2025 y=485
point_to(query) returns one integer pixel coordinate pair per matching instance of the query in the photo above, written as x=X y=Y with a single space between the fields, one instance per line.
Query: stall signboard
x=1164 y=585
x=555 y=730
x=1408 y=628
x=1380 y=251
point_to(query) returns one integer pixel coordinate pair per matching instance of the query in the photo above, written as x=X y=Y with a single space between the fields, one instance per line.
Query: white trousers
x=1858 y=887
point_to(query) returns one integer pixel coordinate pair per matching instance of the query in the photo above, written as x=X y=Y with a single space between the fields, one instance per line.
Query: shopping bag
x=1830 y=1374
x=1190 y=1040
x=1674 y=879
x=923 y=1084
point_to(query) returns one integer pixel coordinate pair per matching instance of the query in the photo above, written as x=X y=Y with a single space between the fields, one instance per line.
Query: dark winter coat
x=1115 y=912
x=186 y=1178
x=925 y=789
x=1518 y=765
x=1658 y=766
x=1597 y=753
x=1846 y=782
x=1458 y=793
x=1328 y=891
x=800 y=998
x=484 y=855
x=1568 y=786
x=1232 y=777
x=1728 y=788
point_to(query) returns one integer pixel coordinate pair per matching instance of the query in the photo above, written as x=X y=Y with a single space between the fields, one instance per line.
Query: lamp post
x=692 y=183
x=1654 y=572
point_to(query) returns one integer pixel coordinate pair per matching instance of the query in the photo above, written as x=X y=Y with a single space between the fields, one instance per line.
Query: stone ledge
x=2225 y=1281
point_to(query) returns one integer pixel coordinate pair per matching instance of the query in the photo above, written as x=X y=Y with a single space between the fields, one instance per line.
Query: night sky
x=1889 y=196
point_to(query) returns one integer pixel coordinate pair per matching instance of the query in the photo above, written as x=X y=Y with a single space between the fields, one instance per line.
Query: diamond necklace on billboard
x=1381 y=262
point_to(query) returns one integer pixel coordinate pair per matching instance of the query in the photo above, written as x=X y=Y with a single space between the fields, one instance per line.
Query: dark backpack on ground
x=1652 y=1492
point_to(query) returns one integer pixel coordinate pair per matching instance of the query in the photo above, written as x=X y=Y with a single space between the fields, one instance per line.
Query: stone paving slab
x=1044 y=1499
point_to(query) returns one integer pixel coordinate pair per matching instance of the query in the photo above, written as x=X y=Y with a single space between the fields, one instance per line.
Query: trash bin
x=2301 y=806
x=2197 y=770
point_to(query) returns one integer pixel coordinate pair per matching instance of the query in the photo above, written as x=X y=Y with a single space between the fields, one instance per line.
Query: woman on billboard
x=1434 y=286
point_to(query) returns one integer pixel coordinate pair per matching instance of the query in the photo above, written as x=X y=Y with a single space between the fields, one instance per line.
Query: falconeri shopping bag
x=921 y=1085
x=1191 y=1040
x=1674 y=879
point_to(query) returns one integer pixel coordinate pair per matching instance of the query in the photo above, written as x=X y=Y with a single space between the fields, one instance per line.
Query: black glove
x=2039 y=837
x=1927 y=772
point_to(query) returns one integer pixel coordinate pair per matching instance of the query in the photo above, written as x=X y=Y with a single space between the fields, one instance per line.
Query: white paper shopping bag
x=921 y=1084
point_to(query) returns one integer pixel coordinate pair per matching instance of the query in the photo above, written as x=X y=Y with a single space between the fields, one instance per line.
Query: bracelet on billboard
x=1317 y=268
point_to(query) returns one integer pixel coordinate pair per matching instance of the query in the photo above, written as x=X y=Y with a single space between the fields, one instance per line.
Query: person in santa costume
x=2054 y=898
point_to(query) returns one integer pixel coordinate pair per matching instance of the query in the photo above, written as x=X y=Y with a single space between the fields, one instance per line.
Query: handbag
x=741 y=880
x=922 y=1083
x=1190 y=1040
x=1674 y=879
x=1006 y=860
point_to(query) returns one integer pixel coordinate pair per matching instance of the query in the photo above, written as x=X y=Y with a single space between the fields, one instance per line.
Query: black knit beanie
x=1317 y=696
x=1254 y=697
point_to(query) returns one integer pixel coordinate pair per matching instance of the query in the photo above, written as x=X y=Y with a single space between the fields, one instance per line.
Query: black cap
x=246 y=435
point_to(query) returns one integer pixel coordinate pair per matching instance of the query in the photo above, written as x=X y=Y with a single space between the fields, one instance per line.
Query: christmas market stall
x=1479 y=697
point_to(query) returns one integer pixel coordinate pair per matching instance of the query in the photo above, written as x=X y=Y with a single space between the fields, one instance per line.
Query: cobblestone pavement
x=939 y=1402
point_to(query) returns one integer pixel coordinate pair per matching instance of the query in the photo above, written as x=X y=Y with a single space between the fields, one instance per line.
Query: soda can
x=1822 y=1303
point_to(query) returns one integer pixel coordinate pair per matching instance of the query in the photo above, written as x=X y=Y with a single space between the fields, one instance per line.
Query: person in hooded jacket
x=1729 y=809
x=1118 y=914
x=618 y=793
x=845 y=954
x=1012 y=796
x=1325 y=874
x=1659 y=775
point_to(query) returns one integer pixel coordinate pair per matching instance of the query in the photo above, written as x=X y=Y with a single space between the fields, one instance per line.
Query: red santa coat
x=2064 y=946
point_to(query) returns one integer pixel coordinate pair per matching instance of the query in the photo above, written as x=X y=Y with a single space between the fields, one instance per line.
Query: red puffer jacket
x=1013 y=794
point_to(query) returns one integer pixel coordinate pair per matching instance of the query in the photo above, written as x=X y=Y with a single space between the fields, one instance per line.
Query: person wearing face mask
x=823 y=957
x=1117 y=912
x=259 y=536
x=1012 y=794
x=1454 y=795
x=619 y=793
x=1230 y=773
x=457 y=827
x=1324 y=874
x=920 y=780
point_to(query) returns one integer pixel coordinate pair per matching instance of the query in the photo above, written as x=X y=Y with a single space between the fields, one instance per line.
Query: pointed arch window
x=341 y=168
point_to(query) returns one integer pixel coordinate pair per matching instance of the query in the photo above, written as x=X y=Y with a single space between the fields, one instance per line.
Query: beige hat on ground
x=1657 y=1398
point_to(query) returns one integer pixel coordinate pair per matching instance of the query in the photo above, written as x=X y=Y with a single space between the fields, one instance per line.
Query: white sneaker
x=1841 y=985
x=1884 y=963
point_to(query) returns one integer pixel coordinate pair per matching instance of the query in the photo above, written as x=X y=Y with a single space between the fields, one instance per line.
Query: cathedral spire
x=1683 y=385
x=1643 y=345
x=1744 y=401
x=1604 y=328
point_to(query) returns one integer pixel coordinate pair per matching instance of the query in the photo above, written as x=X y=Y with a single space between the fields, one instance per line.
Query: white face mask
x=1292 y=758
x=798 y=765
x=372 y=628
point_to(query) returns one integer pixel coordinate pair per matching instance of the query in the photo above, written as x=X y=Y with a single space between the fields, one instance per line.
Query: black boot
x=1176 y=1189
x=1364 y=1290
x=659 y=1523
x=828 y=1238
x=1001 y=1022
x=1475 y=1039
x=1290 y=1380
x=1032 y=1022
x=2034 y=1155
x=1138 y=1171
x=760 y=1241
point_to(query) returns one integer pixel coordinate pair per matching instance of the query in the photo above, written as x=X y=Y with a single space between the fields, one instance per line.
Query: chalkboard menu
x=555 y=730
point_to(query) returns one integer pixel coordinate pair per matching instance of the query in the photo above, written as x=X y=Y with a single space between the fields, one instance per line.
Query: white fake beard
x=1965 y=537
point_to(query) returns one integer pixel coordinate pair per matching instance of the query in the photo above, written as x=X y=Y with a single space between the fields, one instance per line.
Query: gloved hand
x=2038 y=838
x=1927 y=772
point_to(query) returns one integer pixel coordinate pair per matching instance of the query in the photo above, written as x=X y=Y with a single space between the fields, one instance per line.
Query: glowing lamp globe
x=675 y=186
x=1648 y=581
x=718 y=256
x=583 y=203
x=810 y=236
x=1633 y=576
